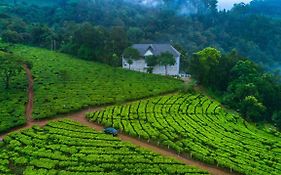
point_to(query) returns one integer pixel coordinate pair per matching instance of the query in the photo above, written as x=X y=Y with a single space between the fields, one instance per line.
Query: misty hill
x=125 y=22
x=266 y=7
x=185 y=7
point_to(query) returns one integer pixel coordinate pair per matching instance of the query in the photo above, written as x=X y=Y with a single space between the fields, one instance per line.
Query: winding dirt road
x=80 y=117
x=29 y=106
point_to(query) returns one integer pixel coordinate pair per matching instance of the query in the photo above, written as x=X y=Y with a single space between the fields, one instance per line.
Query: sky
x=227 y=4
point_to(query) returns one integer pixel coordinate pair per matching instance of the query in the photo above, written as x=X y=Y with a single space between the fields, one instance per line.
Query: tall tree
x=151 y=61
x=202 y=64
x=166 y=59
x=252 y=108
x=131 y=54
x=9 y=67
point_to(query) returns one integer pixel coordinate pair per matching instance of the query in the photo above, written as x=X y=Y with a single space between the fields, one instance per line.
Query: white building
x=156 y=50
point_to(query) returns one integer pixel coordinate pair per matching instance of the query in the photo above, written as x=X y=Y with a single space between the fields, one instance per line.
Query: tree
x=226 y=62
x=119 y=39
x=12 y=37
x=203 y=63
x=151 y=61
x=115 y=60
x=9 y=67
x=41 y=35
x=211 y=5
x=252 y=108
x=131 y=54
x=166 y=59
x=130 y=62
x=184 y=57
x=277 y=119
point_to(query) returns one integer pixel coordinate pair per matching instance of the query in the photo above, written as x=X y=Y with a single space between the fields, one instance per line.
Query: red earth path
x=29 y=106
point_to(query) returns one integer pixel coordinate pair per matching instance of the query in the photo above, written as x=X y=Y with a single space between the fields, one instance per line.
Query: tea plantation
x=68 y=148
x=63 y=84
x=195 y=125
x=12 y=102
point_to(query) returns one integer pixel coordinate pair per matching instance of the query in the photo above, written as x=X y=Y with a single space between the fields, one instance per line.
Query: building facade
x=146 y=50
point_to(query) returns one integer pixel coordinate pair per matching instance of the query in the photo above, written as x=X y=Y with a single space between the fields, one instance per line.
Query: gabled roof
x=156 y=49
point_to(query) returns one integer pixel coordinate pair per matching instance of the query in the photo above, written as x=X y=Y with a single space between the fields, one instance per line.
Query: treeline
x=242 y=84
x=269 y=8
x=254 y=36
x=84 y=40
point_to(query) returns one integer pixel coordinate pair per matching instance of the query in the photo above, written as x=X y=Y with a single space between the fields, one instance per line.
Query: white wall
x=141 y=66
x=138 y=65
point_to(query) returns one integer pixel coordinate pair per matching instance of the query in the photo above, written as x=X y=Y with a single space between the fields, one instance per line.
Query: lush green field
x=63 y=84
x=199 y=127
x=68 y=148
x=12 y=102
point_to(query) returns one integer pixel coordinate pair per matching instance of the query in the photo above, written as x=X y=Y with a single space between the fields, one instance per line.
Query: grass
x=68 y=148
x=194 y=125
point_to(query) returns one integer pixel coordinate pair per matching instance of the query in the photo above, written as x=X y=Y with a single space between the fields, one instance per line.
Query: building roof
x=156 y=49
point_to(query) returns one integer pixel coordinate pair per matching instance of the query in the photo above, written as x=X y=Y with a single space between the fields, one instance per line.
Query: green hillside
x=63 y=84
x=68 y=148
x=12 y=102
x=193 y=124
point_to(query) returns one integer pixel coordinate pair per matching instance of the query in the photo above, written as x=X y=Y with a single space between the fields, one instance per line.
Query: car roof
x=111 y=129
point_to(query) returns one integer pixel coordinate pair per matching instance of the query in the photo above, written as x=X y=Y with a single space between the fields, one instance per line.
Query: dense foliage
x=68 y=148
x=97 y=30
x=242 y=84
x=193 y=124
x=63 y=83
x=12 y=92
x=269 y=8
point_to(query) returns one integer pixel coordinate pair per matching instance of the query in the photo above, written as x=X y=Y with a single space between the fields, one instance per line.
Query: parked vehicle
x=112 y=131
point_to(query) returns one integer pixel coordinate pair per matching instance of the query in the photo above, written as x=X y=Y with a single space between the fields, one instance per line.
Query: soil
x=29 y=106
x=80 y=117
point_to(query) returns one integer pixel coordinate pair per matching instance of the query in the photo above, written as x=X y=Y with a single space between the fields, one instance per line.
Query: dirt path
x=29 y=106
x=155 y=148
x=80 y=117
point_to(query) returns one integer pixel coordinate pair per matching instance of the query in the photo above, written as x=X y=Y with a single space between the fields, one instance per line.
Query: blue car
x=112 y=131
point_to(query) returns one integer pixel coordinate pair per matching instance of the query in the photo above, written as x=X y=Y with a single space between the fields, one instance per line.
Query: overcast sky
x=227 y=4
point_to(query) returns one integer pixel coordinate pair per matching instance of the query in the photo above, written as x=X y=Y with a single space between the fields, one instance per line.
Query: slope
x=65 y=84
x=67 y=147
x=194 y=125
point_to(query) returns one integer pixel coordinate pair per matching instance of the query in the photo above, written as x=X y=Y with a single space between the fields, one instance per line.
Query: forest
x=70 y=26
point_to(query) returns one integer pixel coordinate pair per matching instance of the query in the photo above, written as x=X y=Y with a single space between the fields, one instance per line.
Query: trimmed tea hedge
x=66 y=147
x=199 y=127
x=63 y=83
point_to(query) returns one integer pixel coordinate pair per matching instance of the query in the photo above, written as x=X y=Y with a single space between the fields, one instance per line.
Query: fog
x=228 y=4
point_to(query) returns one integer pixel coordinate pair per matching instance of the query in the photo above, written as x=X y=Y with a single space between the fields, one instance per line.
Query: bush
x=277 y=119
x=189 y=87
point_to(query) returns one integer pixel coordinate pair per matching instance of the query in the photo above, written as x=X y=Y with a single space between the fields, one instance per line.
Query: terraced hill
x=64 y=84
x=197 y=126
x=68 y=148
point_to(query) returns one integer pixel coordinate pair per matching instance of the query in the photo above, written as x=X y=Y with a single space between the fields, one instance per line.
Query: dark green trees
x=242 y=84
x=203 y=64
x=151 y=61
x=166 y=59
x=277 y=119
x=131 y=54
x=9 y=67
